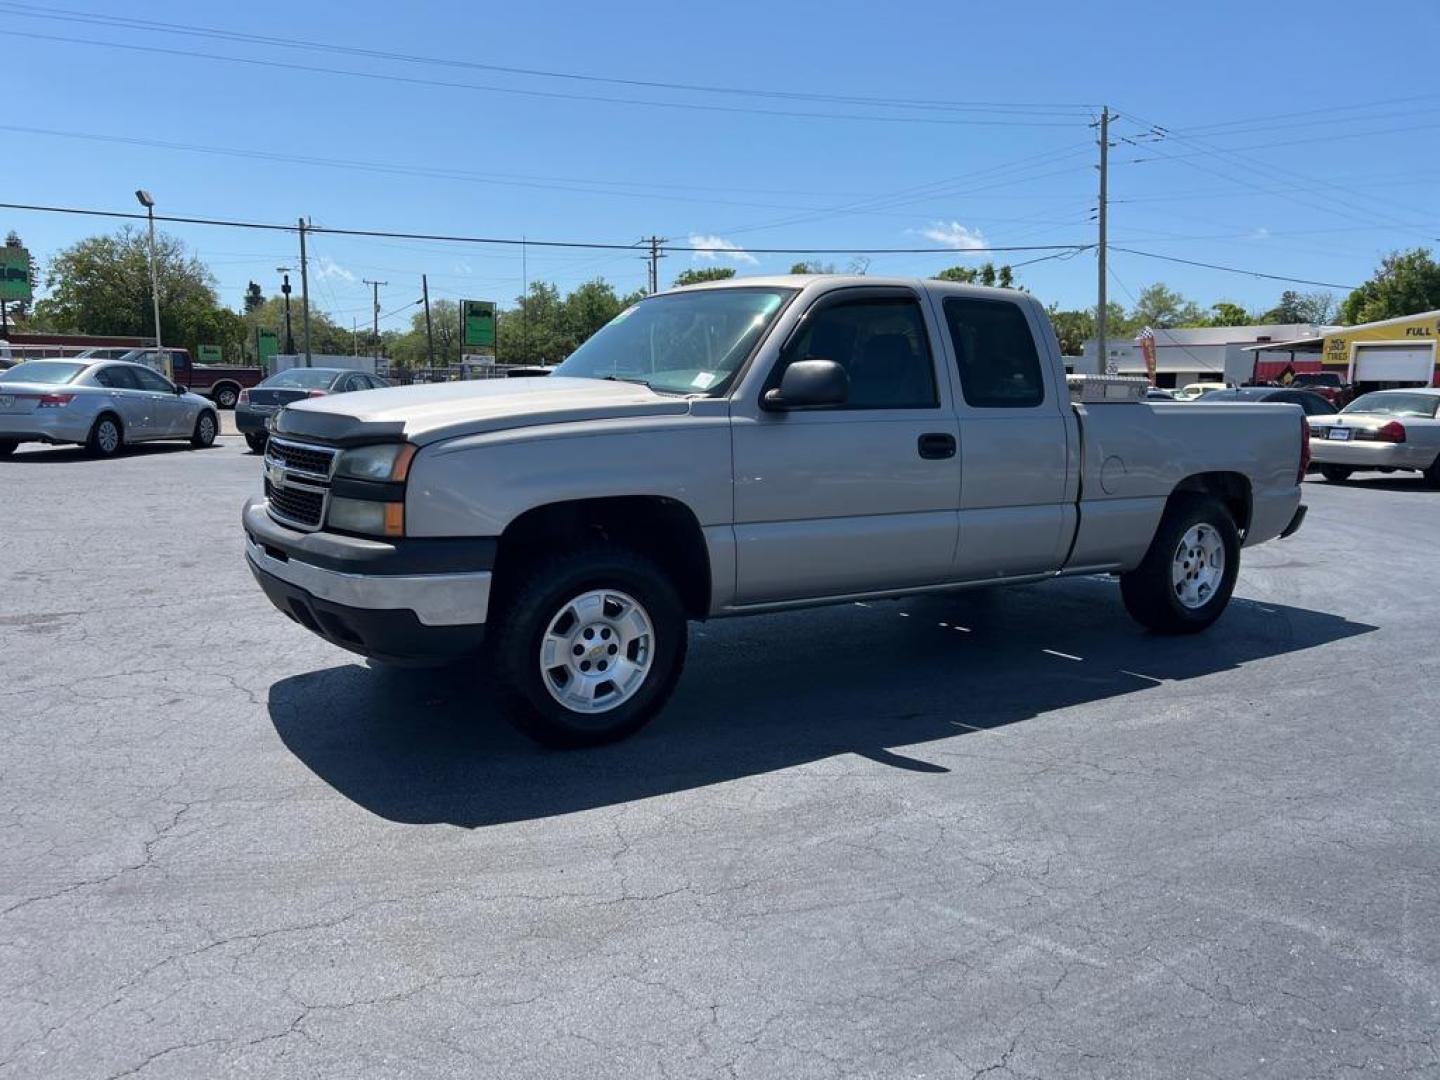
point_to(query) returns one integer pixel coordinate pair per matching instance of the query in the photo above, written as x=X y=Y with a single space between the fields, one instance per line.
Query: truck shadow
x=768 y=693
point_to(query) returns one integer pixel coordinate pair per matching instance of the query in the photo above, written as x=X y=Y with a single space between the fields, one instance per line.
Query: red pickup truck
x=221 y=383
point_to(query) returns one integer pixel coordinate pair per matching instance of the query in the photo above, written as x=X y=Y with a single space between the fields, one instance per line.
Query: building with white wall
x=1195 y=354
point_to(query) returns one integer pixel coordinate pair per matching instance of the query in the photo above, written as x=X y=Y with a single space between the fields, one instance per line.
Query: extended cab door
x=858 y=498
x=1017 y=439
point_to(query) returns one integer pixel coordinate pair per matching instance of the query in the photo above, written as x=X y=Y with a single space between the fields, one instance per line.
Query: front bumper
x=415 y=600
x=1371 y=455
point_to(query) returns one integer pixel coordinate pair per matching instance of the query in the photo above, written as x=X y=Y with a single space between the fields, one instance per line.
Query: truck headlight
x=366 y=516
x=387 y=461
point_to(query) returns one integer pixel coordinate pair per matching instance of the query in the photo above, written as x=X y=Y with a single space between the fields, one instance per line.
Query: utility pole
x=304 y=293
x=285 y=292
x=4 y=320
x=655 y=256
x=524 y=307
x=376 y=323
x=355 y=336
x=429 y=330
x=1101 y=309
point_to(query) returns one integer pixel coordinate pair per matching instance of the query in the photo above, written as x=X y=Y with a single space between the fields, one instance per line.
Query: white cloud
x=953 y=235
x=1260 y=233
x=327 y=267
x=717 y=247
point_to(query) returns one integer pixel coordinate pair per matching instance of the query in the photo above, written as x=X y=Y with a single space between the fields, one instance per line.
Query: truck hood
x=427 y=413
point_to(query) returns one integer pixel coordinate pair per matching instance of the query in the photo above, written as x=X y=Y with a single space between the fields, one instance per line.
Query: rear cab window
x=995 y=353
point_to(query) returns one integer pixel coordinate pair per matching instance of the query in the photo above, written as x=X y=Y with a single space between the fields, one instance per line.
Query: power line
x=519 y=242
x=1233 y=269
x=93 y=18
x=447 y=84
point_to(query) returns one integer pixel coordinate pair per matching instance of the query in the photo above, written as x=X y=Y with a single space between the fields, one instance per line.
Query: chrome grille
x=303 y=506
x=316 y=461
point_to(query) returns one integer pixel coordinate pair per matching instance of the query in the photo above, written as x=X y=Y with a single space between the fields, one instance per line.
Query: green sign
x=267 y=345
x=210 y=354
x=478 y=319
x=14 y=274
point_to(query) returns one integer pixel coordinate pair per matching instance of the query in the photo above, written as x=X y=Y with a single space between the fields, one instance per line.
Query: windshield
x=301 y=378
x=1329 y=379
x=1388 y=404
x=684 y=342
x=43 y=371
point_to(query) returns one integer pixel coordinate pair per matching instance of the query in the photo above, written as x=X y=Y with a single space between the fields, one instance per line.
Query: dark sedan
x=1311 y=402
x=257 y=405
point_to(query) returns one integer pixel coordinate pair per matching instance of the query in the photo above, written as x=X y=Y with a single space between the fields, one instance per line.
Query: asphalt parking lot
x=999 y=834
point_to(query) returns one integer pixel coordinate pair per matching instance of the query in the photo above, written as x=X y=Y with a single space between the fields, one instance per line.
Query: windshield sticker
x=703 y=381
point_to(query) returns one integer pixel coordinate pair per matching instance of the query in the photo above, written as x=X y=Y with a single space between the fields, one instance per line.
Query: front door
x=171 y=415
x=859 y=498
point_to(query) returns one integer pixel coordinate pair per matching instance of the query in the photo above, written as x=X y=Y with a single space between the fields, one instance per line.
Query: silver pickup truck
x=742 y=447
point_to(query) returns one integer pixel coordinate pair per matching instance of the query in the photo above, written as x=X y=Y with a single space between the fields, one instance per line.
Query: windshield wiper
x=612 y=377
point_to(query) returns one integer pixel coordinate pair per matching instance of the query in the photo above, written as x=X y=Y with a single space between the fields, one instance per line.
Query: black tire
x=7 y=447
x=1336 y=474
x=226 y=396
x=1432 y=474
x=107 y=436
x=539 y=601
x=1149 y=591
x=207 y=426
x=256 y=441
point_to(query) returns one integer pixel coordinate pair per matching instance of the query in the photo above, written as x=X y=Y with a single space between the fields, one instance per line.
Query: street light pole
x=148 y=201
x=285 y=291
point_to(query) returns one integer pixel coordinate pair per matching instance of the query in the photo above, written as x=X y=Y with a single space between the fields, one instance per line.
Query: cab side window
x=882 y=345
x=995 y=352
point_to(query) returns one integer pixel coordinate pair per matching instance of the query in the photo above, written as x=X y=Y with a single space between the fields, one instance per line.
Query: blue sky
x=1305 y=137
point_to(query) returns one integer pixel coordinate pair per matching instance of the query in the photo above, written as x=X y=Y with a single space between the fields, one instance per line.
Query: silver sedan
x=100 y=404
x=1387 y=430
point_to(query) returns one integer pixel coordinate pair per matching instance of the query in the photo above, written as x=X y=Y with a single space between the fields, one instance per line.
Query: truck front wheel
x=1187 y=576
x=226 y=396
x=589 y=647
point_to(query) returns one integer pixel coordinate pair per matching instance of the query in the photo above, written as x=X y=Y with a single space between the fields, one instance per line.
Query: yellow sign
x=1340 y=344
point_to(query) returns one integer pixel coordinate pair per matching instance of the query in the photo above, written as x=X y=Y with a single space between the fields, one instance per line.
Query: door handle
x=937 y=444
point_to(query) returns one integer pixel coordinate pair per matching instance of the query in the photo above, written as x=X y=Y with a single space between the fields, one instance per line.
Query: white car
x=1193 y=390
x=1387 y=430
x=102 y=405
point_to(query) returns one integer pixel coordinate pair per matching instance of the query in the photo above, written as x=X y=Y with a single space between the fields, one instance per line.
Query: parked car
x=256 y=406
x=1157 y=393
x=745 y=447
x=221 y=383
x=1311 y=404
x=1388 y=430
x=102 y=405
x=1328 y=384
x=1191 y=391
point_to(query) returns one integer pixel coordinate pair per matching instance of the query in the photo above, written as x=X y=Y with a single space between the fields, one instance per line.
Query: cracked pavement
x=884 y=840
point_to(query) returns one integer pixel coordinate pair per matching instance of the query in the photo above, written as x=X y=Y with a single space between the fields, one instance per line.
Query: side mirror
x=179 y=389
x=809 y=384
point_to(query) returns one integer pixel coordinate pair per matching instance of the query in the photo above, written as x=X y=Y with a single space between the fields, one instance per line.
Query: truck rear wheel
x=226 y=396
x=7 y=447
x=1336 y=474
x=1185 y=581
x=589 y=647
x=256 y=441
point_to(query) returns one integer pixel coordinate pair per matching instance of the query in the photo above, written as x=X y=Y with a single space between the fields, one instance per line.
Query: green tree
x=533 y=331
x=326 y=336
x=254 y=297
x=812 y=267
x=588 y=308
x=1159 y=307
x=1407 y=283
x=1228 y=314
x=101 y=285
x=703 y=274
x=1073 y=328
x=984 y=274
x=411 y=348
